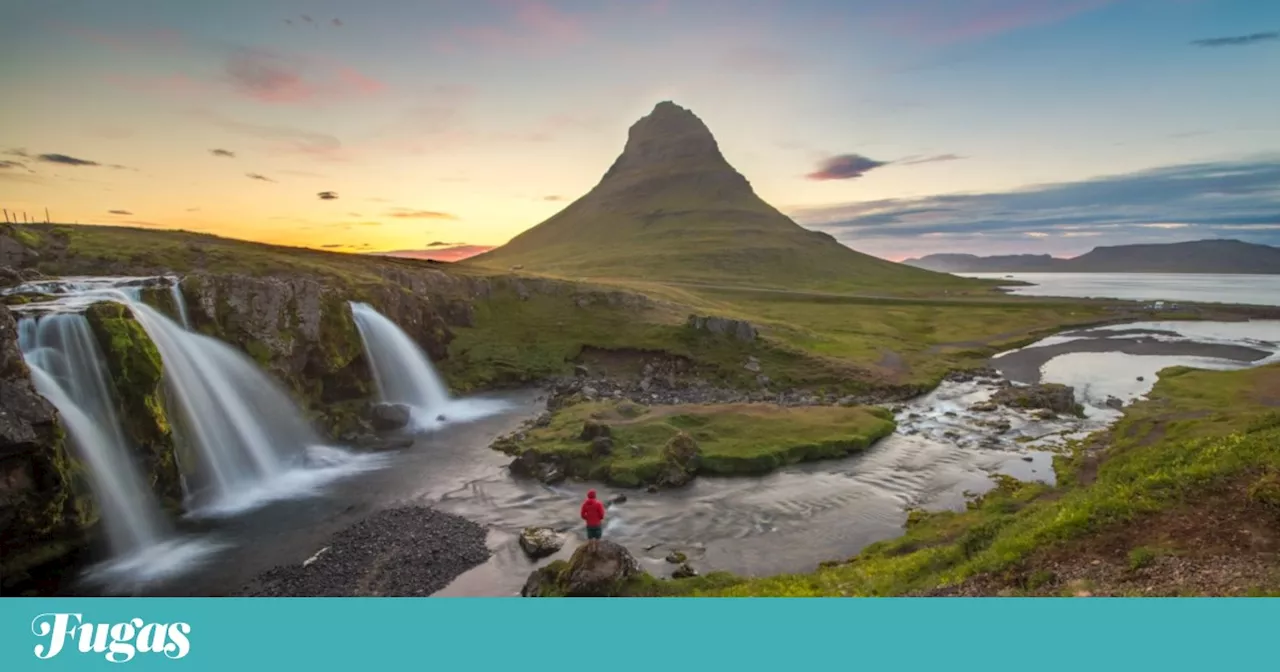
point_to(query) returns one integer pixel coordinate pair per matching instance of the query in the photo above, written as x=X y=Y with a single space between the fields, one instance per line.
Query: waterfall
x=404 y=374
x=68 y=369
x=253 y=442
x=175 y=293
x=250 y=442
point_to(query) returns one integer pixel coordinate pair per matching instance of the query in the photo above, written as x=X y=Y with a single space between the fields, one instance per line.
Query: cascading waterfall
x=68 y=369
x=404 y=374
x=251 y=443
x=175 y=293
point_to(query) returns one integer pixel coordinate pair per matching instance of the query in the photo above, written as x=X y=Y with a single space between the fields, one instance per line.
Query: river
x=1261 y=290
x=788 y=521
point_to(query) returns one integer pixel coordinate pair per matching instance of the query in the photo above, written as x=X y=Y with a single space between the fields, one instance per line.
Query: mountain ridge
x=1214 y=255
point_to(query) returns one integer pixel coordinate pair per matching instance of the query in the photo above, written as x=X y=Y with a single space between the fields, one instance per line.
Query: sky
x=902 y=127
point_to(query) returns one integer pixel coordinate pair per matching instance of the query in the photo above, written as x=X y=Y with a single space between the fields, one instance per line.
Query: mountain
x=671 y=208
x=1200 y=256
x=969 y=263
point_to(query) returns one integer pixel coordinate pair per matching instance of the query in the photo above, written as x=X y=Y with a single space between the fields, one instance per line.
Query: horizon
x=902 y=128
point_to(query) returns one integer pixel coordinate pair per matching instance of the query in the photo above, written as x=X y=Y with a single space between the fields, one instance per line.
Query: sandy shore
x=1024 y=366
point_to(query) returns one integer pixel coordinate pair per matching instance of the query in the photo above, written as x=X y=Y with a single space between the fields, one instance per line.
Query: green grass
x=846 y=344
x=732 y=439
x=1199 y=432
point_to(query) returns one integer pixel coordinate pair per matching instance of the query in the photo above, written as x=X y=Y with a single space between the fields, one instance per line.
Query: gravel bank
x=1023 y=366
x=412 y=551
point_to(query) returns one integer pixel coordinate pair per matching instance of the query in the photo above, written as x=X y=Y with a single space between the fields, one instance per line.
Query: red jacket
x=592 y=510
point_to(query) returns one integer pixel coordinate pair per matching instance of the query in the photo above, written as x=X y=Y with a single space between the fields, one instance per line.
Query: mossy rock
x=137 y=374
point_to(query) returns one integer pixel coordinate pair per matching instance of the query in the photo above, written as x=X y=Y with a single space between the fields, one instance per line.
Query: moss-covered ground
x=731 y=439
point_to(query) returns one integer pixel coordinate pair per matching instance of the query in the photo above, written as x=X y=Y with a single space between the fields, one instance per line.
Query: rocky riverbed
x=402 y=552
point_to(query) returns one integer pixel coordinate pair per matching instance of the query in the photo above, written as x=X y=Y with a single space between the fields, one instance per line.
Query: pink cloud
x=269 y=77
x=528 y=26
x=946 y=21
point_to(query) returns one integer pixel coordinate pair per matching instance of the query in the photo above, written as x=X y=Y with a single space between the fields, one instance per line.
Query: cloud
x=283 y=139
x=18 y=152
x=354 y=214
x=119 y=212
x=337 y=23
x=937 y=158
x=1238 y=40
x=945 y=22
x=437 y=243
x=327 y=195
x=1196 y=200
x=66 y=160
x=333 y=245
x=193 y=209
x=223 y=152
x=529 y=27
x=269 y=77
x=12 y=164
x=553 y=197
x=407 y=213
x=453 y=253
x=844 y=167
x=256 y=176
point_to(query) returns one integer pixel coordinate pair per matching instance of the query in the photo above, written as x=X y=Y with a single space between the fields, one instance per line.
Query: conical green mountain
x=672 y=209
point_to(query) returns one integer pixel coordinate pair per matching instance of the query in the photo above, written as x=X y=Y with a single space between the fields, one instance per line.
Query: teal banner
x=640 y=634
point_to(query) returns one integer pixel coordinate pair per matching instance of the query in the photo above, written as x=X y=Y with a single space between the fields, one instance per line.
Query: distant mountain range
x=1200 y=256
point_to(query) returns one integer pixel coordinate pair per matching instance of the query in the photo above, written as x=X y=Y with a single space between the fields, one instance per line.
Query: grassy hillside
x=1181 y=497
x=840 y=343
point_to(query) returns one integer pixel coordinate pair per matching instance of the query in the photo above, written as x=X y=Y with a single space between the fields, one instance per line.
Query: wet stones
x=540 y=542
x=1050 y=397
x=389 y=417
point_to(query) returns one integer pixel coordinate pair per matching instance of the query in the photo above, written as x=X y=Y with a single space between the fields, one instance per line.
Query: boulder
x=389 y=417
x=684 y=571
x=677 y=558
x=984 y=407
x=601 y=446
x=543 y=420
x=581 y=371
x=597 y=569
x=1114 y=402
x=540 y=542
x=739 y=329
x=548 y=469
x=1046 y=396
x=616 y=499
x=592 y=429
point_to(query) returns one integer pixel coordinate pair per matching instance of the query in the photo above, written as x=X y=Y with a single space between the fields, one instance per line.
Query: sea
x=1261 y=290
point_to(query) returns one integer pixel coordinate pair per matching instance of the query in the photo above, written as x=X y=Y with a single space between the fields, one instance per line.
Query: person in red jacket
x=593 y=515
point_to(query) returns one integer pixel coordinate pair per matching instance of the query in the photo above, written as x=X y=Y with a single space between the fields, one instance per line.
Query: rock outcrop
x=1050 y=397
x=597 y=569
x=739 y=329
x=300 y=329
x=43 y=513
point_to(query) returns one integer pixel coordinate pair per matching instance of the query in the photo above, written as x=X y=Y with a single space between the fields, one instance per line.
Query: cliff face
x=42 y=505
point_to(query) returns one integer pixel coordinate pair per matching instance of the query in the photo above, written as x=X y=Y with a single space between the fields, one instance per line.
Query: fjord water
x=1261 y=290
x=68 y=369
x=404 y=374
